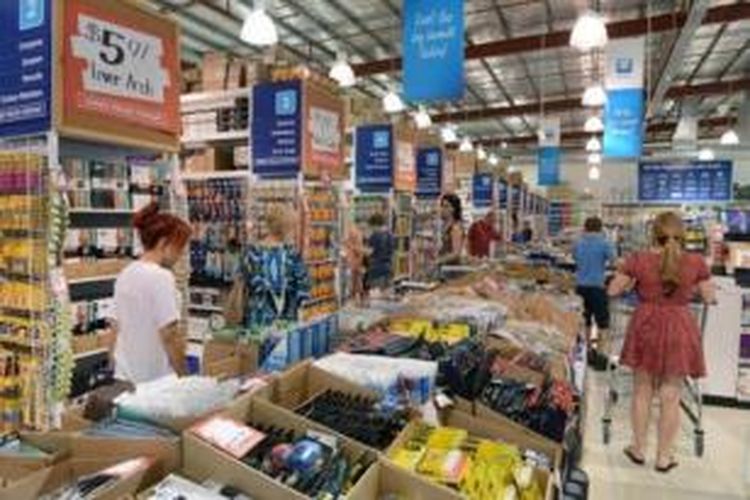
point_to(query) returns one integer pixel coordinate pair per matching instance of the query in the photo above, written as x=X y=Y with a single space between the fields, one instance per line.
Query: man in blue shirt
x=592 y=254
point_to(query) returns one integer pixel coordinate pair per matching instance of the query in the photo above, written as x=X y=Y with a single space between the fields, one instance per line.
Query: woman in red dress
x=663 y=343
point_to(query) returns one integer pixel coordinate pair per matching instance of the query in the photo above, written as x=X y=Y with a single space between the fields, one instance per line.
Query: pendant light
x=595 y=159
x=493 y=160
x=589 y=32
x=466 y=145
x=595 y=173
x=481 y=154
x=593 y=125
x=504 y=145
x=392 y=102
x=422 y=119
x=593 y=145
x=448 y=134
x=706 y=154
x=259 y=29
x=730 y=138
x=342 y=72
x=594 y=96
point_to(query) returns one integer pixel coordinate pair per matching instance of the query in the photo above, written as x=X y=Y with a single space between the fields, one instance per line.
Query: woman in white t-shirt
x=149 y=344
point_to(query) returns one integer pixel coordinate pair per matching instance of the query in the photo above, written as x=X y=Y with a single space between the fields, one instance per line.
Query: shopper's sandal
x=633 y=457
x=666 y=468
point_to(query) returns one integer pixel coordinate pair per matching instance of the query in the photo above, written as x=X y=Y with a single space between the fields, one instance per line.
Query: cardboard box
x=15 y=468
x=385 y=478
x=225 y=360
x=204 y=461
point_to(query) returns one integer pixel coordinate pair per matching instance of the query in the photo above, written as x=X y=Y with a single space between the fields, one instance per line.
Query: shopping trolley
x=621 y=310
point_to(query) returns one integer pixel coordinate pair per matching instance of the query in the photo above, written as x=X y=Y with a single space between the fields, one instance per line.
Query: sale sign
x=121 y=64
x=324 y=129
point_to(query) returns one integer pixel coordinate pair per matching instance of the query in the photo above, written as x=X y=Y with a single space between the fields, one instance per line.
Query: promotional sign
x=502 y=194
x=624 y=111
x=374 y=157
x=433 y=50
x=449 y=173
x=696 y=181
x=515 y=198
x=276 y=141
x=324 y=130
x=429 y=172
x=405 y=176
x=481 y=191
x=548 y=163
x=121 y=67
x=25 y=67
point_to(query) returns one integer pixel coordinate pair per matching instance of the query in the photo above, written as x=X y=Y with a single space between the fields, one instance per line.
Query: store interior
x=358 y=227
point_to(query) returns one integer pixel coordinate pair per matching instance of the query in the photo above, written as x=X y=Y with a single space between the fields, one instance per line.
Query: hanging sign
x=450 y=174
x=374 y=157
x=324 y=130
x=624 y=111
x=276 y=141
x=548 y=156
x=121 y=67
x=429 y=172
x=696 y=181
x=482 y=186
x=433 y=50
x=405 y=176
x=25 y=67
x=502 y=194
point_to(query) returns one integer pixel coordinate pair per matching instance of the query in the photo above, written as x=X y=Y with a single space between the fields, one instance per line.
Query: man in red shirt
x=481 y=235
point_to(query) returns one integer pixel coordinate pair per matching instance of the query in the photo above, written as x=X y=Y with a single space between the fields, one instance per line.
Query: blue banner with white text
x=277 y=129
x=685 y=181
x=374 y=158
x=481 y=192
x=433 y=50
x=548 y=164
x=623 y=123
x=429 y=172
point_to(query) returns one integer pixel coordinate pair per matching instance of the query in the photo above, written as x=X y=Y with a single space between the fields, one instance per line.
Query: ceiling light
x=706 y=154
x=594 y=96
x=494 y=160
x=595 y=159
x=730 y=138
x=448 y=134
x=342 y=72
x=594 y=173
x=589 y=32
x=466 y=145
x=481 y=154
x=392 y=102
x=504 y=145
x=593 y=125
x=258 y=28
x=422 y=119
x=593 y=145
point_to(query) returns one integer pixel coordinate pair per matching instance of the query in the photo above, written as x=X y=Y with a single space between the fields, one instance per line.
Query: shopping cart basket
x=621 y=310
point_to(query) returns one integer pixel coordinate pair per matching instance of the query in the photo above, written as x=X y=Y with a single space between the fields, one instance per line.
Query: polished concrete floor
x=723 y=473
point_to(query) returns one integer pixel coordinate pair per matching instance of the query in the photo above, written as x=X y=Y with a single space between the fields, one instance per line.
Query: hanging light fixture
x=392 y=102
x=448 y=134
x=493 y=160
x=706 y=154
x=504 y=145
x=593 y=125
x=594 y=96
x=589 y=32
x=259 y=29
x=594 y=173
x=422 y=118
x=342 y=72
x=481 y=154
x=466 y=145
x=595 y=159
x=730 y=138
x=593 y=145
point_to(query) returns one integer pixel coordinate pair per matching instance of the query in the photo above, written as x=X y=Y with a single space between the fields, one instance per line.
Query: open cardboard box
x=544 y=478
x=385 y=478
x=223 y=359
x=204 y=461
x=14 y=468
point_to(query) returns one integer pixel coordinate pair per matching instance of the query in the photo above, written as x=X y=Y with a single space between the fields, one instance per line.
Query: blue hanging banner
x=429 y=172
x=481 y=193
x=548 y=164
x=688 y=181
x=276 y=141
x=25 y=67
x=624 y=111
x=502 y=194
x=433 y=50
x=374 y=158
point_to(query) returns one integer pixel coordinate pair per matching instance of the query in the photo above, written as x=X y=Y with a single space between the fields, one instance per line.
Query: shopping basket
x=621 y=311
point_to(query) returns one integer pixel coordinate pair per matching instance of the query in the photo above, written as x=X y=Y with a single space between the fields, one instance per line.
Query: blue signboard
x=688 y=181
x=548 y=162
x=515 y=198
x=374 y=157
x=429 y=172
x=623 y=123
x=433 y=50
x=277 y=129
x=482 y=190
x=502 y=194
x=25 y=67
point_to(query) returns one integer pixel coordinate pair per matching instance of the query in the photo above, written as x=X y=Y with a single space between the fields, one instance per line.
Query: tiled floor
x=722 y=474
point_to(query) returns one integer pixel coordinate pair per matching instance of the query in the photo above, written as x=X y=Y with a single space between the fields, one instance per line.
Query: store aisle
x=722 y=474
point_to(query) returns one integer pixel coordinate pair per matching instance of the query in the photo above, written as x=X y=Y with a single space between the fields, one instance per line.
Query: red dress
x=663 y=338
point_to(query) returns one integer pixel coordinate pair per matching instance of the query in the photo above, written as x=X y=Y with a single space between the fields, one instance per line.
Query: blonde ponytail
x=668 y=235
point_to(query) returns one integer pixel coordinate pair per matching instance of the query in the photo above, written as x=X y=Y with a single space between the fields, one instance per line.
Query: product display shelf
x=426 y=239
x=367 y=205
x=403 y=227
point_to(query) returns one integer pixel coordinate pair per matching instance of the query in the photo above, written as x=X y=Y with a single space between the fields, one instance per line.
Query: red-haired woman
x=149 y=344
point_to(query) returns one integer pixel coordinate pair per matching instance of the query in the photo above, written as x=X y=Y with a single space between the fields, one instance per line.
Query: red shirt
x=481 y=235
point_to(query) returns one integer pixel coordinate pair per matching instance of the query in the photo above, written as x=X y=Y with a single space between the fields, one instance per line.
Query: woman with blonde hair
x=663 y=344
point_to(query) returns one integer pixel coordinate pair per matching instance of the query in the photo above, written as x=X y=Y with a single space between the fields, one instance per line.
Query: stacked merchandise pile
x=321 y=249
x=426 y=242
x=402 y=231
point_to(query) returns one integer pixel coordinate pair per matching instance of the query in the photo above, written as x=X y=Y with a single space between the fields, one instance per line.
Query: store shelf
x=101 y=287
x=96 y=352
x=213 y=100
x=232 y=137
x=202 y=308
x=93 y=218
x=218 y=175
x=319 y=300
